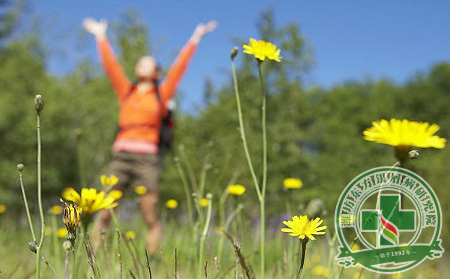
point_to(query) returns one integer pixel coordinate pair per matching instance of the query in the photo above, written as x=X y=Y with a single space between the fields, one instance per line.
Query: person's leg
x=120 y=167
x=149 y=209
x=147 y=174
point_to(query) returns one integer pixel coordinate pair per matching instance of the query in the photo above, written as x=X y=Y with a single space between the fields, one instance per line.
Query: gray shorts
x=135 y=169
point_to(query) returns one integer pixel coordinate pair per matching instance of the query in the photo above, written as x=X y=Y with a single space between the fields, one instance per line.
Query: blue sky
x=352 y=40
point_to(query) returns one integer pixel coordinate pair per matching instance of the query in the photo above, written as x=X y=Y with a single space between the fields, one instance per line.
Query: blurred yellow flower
x=262 y=50
x=355 y=247
x=2 y=208
x=398 y=276
x=218 y=230
x=358 y=275
x=61 y=233
x=171 y=204
x=130 y=235
x=292 y=183
x=109 y=181
x=302 y=227
x=320 y=270
x=90 y=201
x=71 y=217
x=204 y=202
x=236 y=190
x=404 y=133
x=56 y=210
x=140 y=190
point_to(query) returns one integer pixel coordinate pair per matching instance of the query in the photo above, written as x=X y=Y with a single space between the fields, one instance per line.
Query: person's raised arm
x=112 y=68
x=176 y=71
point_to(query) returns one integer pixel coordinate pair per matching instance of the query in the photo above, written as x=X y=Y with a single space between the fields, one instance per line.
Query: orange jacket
x=139 y=114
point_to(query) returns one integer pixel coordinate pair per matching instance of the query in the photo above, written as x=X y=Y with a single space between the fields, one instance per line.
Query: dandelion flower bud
x=234 y=52
x=67 y=245
x=20 y=167
x=33 y=246
x=414 y=154
x=38 y=103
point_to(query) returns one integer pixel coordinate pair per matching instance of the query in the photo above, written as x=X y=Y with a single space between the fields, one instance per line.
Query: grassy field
x=282 y=254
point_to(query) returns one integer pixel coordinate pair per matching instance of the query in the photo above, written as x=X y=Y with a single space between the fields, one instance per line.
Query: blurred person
x=142 y=104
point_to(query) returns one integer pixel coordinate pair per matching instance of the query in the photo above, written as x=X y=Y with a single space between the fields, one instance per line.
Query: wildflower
x=355 y=247
x=204 y=202
x=262 y=50
x=404 y=133
x=292 y=183
x=62 y=233
x=71 y=217
x=320 y=270
x=109 y=181
x=130 y=235
x=56 y=210
x=2 y=208
x=90 y=201
x=172 y=204
x=302 y=227
x=140 y=190
x=236 y=190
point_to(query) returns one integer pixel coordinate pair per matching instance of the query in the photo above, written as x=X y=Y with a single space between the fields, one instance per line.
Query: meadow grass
x=17 y=261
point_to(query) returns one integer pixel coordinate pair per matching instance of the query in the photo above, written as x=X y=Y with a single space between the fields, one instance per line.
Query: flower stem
x=241 y=130
x=303 y=243
x=41 y=210
x=264 y=171
x=203 y=238
x=25 y=201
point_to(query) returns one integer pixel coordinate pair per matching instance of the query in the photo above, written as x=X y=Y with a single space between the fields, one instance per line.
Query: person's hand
x=96 y=28
x=203 y=29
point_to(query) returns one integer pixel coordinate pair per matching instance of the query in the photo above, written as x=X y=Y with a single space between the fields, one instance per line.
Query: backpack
x=166 y=134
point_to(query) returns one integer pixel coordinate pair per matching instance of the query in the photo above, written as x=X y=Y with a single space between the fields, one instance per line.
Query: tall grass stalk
x=187 y=191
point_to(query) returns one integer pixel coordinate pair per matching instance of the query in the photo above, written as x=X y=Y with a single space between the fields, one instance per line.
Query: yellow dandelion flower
x=56 y=210
x=92 y=201
x=61 y=233
x=172 y=204
x=397 y=276
x=109 y=181
x=236 y=190
x=320 y=270
x=140 y=190
x=2 y=208
x=262 y=50
x=292 y=183
x=71 y=217
x=355 y=247
x=204 y=202
x=302 y=227
x=130 y=235
x=404 y=133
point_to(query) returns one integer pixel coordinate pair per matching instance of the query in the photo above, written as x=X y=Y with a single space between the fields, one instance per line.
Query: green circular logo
x=388 y=220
